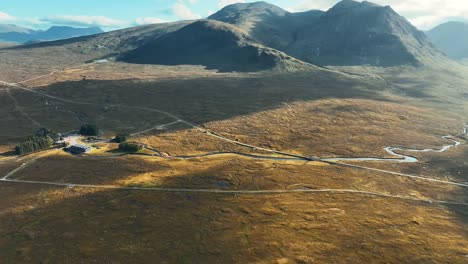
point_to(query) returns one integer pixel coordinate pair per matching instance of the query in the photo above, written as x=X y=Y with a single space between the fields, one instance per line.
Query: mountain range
x=452 y=39
x=13 y=33
x=260 y=36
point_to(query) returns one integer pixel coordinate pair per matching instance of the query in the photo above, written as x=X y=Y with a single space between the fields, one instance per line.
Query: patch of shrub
x=130 y=147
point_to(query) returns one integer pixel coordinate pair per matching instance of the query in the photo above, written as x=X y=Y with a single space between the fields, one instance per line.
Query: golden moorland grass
x=77 y=225
x=311 y=114
x=225 y=172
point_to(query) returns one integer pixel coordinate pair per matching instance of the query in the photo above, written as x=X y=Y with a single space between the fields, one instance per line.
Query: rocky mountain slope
x=260 y=36
x=213 y=44
x=350 y=33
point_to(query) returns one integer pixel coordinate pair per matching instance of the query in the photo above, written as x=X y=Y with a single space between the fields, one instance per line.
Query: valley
x=248 y=150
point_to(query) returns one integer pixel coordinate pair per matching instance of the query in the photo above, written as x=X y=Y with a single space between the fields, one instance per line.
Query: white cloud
x=223 y=3
x=5 y=17
x=423 y=14
x=149 y=20
x=84 y=21
x=180 y=10
x=428 y=13
x=305 y=5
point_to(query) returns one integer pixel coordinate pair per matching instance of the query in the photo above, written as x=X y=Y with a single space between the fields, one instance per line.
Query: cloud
x=84 y=21
x=424 y=14
x=149 y=20
x=306 y=5
x=180 y=10
x=223 y=3
x=5 y=17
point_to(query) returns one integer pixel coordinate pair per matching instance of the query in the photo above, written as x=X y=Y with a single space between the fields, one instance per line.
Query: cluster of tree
x=45 y=132
x=89 y=130
x=120 y=138
x=41 y=140
x=130 y=147
x=33 y=144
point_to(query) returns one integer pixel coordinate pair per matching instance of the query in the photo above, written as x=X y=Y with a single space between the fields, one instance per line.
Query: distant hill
x=350 y=33
x=13 y=33
x=452 y=39
x=214 y=44
x=56 y=32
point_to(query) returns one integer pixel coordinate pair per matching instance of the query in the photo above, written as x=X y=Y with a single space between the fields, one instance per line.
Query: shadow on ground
x=72 y=225
x=197 y=100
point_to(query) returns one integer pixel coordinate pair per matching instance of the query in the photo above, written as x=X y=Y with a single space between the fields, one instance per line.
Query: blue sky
x=113 y=14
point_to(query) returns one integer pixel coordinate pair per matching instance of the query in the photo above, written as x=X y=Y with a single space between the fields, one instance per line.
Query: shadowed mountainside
x=451 y=38
x=260 y=36
x=350 y=33
x=214 y=44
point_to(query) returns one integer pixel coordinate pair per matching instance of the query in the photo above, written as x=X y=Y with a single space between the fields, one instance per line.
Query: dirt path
x=335 y=191
x=19 y=109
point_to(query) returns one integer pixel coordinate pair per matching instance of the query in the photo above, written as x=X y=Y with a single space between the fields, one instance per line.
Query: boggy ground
x=53 y=225
x=451 y=165
x=311 y=114
x=320 y=115
x=69 y=225
x=225 y=173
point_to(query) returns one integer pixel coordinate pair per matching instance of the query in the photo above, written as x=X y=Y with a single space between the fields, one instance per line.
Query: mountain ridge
x=379 y=36
x=349 y=34
x=214 y=44
x=13 y=33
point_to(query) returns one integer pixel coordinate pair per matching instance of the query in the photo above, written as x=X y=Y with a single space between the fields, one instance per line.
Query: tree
x=45 y=132
x=89 y=130
x=33 y=144
x=130 y=147
x=120 y=138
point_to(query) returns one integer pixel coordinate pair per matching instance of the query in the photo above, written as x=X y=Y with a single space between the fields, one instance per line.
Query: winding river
x=400 y=157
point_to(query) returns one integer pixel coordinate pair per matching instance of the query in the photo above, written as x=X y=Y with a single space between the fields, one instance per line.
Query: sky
x=115 y=14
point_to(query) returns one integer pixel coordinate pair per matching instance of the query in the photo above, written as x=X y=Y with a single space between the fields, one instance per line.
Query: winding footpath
x=334 y=161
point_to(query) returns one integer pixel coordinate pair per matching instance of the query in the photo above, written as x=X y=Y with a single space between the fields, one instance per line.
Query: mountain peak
x=247 y=12
x=351 y=4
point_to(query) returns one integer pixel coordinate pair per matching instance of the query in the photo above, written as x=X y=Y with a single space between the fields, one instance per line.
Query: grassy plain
x=319 y=113
x=78 y=225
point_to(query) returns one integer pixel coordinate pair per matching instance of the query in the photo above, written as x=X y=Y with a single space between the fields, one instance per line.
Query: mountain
x=350 y=33
x=61 y=32
x=266 y=23
x=9 y=28
x=13 y=33
x=214 y=44
x=451 y=38
x=258 y=36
